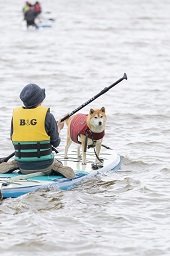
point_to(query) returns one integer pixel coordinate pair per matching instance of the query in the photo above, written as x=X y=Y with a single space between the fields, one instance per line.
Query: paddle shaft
x=95 y=97
x=5 y=159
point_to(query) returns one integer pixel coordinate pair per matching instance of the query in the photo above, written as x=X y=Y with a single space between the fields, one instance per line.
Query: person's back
x=30 y=17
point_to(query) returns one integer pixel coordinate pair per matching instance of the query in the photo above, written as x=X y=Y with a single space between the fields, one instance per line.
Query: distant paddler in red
x=37 y=8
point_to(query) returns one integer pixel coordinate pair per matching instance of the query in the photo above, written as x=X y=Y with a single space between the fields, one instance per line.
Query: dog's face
x=97 y=118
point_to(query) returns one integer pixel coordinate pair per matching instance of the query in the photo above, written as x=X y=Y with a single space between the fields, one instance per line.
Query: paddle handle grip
x=95 y=97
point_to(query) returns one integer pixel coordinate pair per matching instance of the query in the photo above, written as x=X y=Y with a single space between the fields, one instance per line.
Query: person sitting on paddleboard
x=34 y=131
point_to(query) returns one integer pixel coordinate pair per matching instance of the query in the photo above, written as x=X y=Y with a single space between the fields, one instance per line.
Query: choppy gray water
x=90 y=46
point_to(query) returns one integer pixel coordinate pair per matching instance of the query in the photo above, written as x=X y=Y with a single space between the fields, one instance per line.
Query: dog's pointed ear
x=91 y=111
x=103 y=109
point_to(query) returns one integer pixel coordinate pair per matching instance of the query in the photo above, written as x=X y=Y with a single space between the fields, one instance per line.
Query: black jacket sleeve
x=52 y=129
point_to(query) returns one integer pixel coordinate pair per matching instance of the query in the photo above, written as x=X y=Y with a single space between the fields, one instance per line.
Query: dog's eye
x=95 y=117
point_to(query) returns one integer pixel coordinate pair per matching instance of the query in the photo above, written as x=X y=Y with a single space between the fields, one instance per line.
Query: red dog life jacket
x=79 y=126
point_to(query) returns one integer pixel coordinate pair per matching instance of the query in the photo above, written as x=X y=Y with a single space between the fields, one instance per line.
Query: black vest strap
x=20 y=146
x=33 y=154
x=19 y=150
x=38 y=149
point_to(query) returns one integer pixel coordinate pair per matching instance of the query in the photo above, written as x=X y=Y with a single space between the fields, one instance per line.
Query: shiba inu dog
x=86 y=130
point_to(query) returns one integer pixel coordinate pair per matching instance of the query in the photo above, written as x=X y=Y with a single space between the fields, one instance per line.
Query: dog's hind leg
x=78 y=152
x=68 y=143
x=83 y=150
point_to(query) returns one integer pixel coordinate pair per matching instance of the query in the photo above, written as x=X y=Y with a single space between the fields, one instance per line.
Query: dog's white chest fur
x=89 y=141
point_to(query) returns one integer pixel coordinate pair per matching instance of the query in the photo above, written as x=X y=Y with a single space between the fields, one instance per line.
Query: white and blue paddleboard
x=15 y=184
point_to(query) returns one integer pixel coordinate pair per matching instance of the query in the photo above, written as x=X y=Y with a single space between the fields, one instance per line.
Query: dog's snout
x=100 y=123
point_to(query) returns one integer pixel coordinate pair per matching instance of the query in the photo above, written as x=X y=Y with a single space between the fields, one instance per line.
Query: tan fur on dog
x=96 y=121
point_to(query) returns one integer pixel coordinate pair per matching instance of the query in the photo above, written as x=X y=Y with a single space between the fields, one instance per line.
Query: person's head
x=32 y=95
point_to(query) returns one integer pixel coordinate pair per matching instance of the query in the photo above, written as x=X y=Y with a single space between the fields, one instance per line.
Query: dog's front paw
x=83 y=163
x=65 y=157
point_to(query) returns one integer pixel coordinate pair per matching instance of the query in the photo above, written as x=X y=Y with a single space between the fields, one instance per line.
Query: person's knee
x=8 y=166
